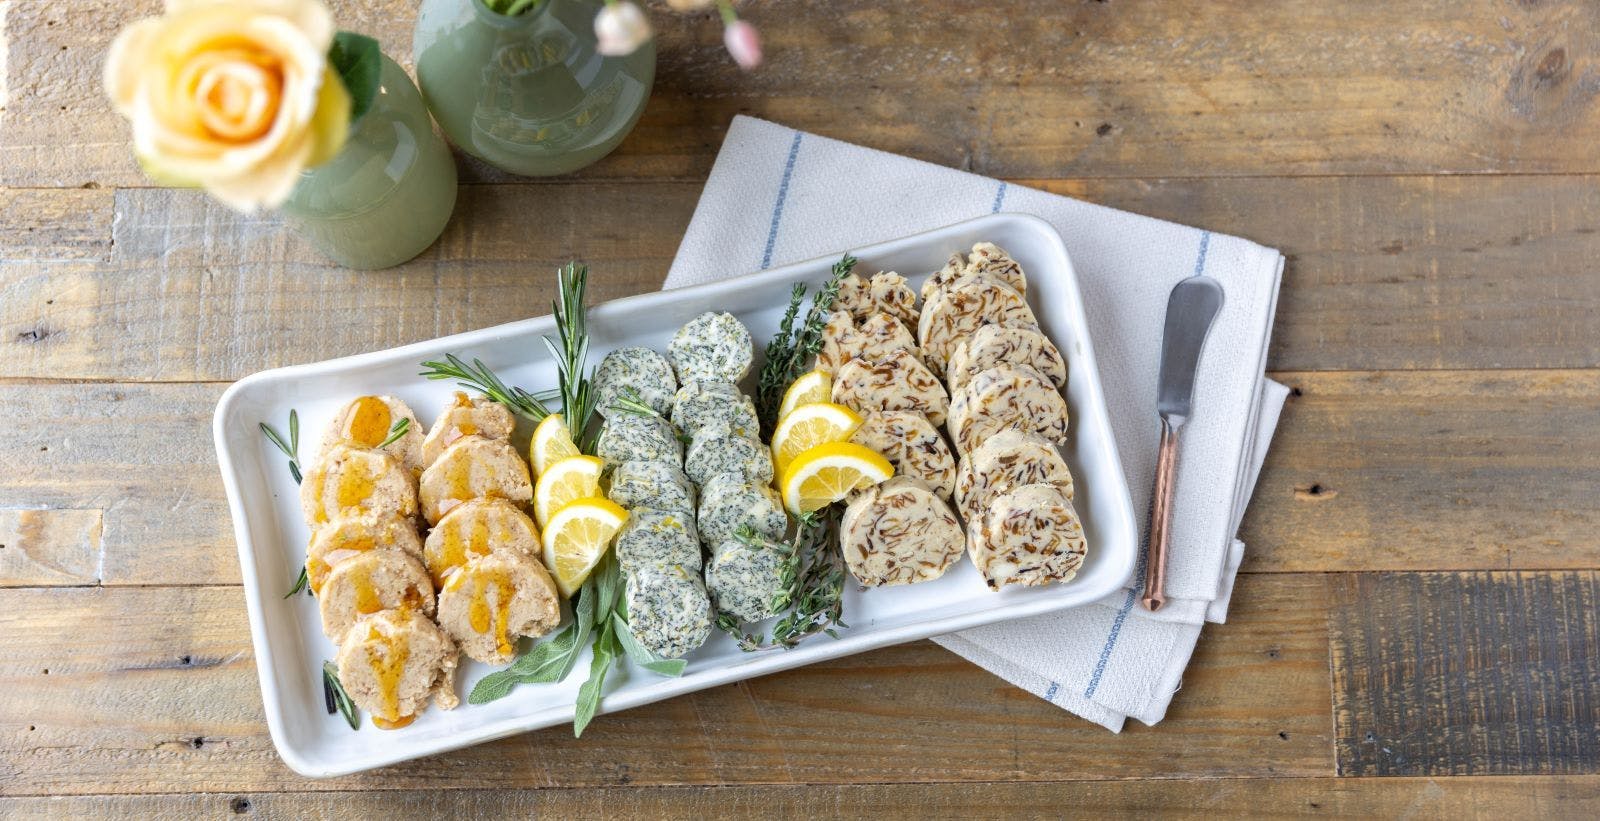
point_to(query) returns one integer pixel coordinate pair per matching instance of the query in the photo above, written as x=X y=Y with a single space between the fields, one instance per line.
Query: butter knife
x=1191 y=308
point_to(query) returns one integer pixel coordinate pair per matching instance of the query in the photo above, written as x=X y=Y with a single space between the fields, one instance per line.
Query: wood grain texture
x=1395 y=273
x=1023 y=88
x=1466 y=673
x=1370 y=471
x=137 y=456
x=1463 y=798
x=1430 y=471
x=172 y=705
x=49 y=547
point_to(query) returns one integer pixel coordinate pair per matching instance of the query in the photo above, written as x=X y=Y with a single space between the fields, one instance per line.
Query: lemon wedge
x=815 y=386
x=577 y=538
x=551 y=443
x=827 y=473
x=809 y=425
x=575 y=477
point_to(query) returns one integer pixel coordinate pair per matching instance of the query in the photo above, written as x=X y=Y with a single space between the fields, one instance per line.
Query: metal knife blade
x=1191 y=309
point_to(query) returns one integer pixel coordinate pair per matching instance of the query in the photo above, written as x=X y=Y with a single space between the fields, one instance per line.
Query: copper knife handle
x=1155 y=567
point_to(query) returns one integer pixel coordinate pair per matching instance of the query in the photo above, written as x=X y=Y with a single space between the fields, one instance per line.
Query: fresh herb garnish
x=303 y=582
x=571 y=350
x=478 y=377
x=335 y=696
x=811 y=600
x=401 y=425
x=629 y=400
x=600 y=613
x=599 y=616
x=290 y=446
x=790 y=350
x=291 y=449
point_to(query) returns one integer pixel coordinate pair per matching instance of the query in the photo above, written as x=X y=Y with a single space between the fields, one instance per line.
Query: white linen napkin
x=777 y=195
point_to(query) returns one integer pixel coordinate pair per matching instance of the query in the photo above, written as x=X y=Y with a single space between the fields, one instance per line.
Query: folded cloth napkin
x=777 y=196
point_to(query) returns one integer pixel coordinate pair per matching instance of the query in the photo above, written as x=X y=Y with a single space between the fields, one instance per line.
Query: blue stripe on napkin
x=777 y=207
x=1144 y=547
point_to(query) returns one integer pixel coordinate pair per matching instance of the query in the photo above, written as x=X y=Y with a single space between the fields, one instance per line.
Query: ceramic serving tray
x=290 y=647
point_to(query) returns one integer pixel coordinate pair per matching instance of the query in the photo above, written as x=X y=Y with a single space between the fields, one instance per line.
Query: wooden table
x=1415 y=629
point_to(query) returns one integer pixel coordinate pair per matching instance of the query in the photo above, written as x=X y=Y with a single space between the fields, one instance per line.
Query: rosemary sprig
x=291 y=449
x=291 y=446
x=401 y=425
x=478 y=377
x=790 y=350
x=599 y=614
x=628 y=400
x=571 y=351
x=333 y=693
x=811 y=599
x=302 y=582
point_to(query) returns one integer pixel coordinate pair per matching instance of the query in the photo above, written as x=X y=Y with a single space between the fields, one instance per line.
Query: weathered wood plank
x=1466 y=798
x=172 y=705
x=1466 y=673
x=1430 y=471
x=194 y=291
x=1455 y=470
x=1407 y=272
x=1025 y=88
x=49 y=547
x=140 y=458
x=1385 y=273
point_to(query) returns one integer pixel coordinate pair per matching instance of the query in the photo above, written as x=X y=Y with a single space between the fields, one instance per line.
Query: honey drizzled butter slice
x=368 y=421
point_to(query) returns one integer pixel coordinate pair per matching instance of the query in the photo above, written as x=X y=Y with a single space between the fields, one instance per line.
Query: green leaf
x=299 y=584
x=341 y=699
x=359 y=63
x=589 y=693
x=642 y=655
x=399 y=430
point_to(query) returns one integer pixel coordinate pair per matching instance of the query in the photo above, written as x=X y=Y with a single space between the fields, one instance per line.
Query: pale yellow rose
x=235 y=96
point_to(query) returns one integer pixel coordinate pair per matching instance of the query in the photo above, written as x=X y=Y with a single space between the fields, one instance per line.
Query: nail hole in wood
x=240 y=805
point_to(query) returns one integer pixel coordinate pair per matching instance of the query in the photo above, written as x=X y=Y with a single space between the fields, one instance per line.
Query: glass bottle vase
x=528 y=94
x=387 y=195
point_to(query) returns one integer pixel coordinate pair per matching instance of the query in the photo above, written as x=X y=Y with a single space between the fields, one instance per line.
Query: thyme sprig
x=478 y=377
x=774 y=378
x=336 y=698
x=791 y=349
x=811 y=600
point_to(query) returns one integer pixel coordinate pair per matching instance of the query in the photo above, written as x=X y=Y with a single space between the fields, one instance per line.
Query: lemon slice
x=578 y=537
x=827 y=473
x=815 y=386
x=575 y=477
x=551 y=443
x=809 y=425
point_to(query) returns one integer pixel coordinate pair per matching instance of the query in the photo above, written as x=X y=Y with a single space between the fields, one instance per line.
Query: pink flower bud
x=743 y=43
x=620 y=29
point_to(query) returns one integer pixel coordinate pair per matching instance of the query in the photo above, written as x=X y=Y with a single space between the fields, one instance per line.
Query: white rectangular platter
x=263 y=498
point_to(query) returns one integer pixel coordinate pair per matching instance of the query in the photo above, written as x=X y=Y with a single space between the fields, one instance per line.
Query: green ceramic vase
x=388 y=194
x=528 y=94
